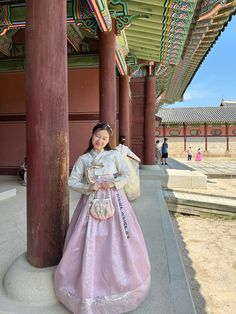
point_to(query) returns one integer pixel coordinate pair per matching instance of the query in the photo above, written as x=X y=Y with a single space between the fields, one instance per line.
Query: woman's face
x=100 y=139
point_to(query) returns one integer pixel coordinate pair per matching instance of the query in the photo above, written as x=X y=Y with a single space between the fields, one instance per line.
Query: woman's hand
x=95 y=186
x=107 y=185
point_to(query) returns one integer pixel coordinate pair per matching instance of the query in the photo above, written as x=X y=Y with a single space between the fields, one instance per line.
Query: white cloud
x=198 y=92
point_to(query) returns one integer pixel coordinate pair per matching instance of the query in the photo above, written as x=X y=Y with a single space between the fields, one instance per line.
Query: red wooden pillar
x=150 y=122
x=227 y=137
x=205 y=137
x=124 y=109
x=107 y=79
x=164 y=131
x=184 y=126
x=47 y=130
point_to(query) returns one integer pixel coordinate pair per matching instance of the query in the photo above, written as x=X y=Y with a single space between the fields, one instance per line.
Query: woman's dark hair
x=122 y=139
x=100 y=126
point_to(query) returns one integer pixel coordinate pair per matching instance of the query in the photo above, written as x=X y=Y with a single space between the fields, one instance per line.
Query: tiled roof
x=228 y=103
x=220 y=114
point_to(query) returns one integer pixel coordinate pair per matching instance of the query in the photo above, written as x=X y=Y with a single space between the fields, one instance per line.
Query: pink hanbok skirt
x=198 y=157
x=105 y=267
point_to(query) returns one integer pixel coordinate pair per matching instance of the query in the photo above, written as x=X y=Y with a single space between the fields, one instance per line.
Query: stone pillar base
x=28 y=284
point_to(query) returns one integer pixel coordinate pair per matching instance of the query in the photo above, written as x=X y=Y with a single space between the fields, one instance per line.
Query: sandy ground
x=208 y=247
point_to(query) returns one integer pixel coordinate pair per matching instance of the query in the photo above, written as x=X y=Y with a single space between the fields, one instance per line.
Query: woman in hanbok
x=132 y=188
x=199 y=155
x=158 y=152
x=105 y=267
x=125 y=151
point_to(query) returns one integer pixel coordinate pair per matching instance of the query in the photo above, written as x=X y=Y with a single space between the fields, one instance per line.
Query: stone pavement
x=200 y=204
x=212 y=168
x=169 y=294
x=218 y=197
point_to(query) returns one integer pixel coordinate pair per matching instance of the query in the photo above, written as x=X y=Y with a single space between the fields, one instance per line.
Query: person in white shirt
x=124 y=150
x=190 y=153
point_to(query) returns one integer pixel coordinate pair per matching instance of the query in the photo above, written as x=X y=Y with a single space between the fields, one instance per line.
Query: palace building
x=65 y=65
x=122 y=60
x=213 y=129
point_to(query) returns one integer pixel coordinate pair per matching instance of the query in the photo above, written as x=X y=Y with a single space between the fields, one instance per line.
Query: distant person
x=125 y=151
x=190 y=153
x=199 y=155
x=23 y=172
x=158 y=152
x=164 y=151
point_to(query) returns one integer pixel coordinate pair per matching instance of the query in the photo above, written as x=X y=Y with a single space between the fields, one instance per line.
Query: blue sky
x=216 y=77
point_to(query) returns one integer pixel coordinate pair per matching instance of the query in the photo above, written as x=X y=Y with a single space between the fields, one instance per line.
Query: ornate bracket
x=135 y=68
x=119 y=11
x=90 y=25
x=121 y=7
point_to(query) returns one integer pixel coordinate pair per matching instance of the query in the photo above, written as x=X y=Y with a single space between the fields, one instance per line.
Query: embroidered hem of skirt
x=115 y=304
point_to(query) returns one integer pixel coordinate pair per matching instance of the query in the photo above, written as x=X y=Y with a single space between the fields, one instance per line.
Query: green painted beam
x=83 y=61
x=12 y=65
x=9 y=65
x=18 y=13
